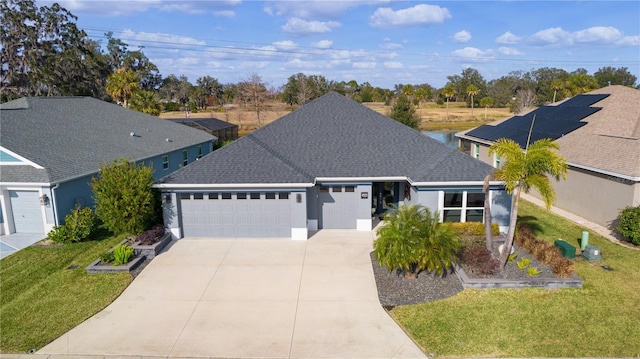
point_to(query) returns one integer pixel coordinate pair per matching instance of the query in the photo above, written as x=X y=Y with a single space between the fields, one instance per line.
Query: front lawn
x=600 y=320
x=41 y=299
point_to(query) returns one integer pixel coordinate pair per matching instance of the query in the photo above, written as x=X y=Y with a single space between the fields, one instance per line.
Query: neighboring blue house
x=332 y=163
x=51 y=147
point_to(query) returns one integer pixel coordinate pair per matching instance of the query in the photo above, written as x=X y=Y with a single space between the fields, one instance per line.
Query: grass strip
x=599 y=320
x=41 y=299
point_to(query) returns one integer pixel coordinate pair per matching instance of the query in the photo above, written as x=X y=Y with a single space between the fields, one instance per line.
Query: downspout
x=53 y=204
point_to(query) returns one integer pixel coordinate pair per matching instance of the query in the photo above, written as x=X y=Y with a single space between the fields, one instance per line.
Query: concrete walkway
x=601 y=230
x=237 y=298
x=14 y=242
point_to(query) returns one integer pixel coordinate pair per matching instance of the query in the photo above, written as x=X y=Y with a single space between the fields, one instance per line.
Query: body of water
x=446 y=137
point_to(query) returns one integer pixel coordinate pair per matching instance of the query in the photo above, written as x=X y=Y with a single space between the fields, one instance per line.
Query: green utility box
x=566 y=249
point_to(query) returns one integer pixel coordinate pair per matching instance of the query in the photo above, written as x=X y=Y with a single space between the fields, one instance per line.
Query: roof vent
x=168 y=140
x=132 y=134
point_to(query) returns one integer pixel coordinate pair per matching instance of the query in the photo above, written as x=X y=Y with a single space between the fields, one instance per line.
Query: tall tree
x=580 y=82
x=486 y=102
x=448 y=92
x=404 y=112
x=472 y=90
x=146 y=102
x=44 y=53
x=253 y=92
x=122 y=85
x=207 y=91
x=557 y=85
x=524 y=170
x=614 y=76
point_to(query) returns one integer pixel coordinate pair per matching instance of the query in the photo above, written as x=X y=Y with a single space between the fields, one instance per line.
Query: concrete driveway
x=247 y=298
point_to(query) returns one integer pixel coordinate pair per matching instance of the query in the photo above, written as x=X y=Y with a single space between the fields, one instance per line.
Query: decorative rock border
x=152 y=250
x=493 y=283
x=97 y=268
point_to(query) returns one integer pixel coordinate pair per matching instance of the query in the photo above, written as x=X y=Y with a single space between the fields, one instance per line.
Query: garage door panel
x=250 y=217
x=338 y=208
x=26 y=211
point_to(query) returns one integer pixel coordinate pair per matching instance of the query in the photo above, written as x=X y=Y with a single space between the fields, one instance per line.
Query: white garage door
x=27 y=214
x=242 y=214
x=338 y=207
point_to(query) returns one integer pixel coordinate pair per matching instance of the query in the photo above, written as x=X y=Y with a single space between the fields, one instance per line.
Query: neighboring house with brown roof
x=222 y=130
x=599 y=136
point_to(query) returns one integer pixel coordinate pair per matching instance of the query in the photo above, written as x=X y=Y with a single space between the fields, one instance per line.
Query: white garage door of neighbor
x=27 y=214
x=338 y=207
x=233 y=215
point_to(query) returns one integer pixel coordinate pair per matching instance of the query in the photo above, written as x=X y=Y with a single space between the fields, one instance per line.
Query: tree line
x=44 y=53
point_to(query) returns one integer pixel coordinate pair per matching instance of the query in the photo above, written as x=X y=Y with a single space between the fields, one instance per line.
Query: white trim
x=176 y=233
x=604 y=172
x=362 y=179
x=233 y=185
x=364 y=224
x=474 y=139
x=17 y=156
x=460 y=183
x=299 y=234
x=32 y=185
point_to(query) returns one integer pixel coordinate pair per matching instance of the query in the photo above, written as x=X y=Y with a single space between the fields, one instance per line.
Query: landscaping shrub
x=543 y=251
x=473 y=229
x=412 y=240
x=629 y=224
x=122 y=254
x=125 y=201
x=479 y=259
x=151 y=236
x=78 y=226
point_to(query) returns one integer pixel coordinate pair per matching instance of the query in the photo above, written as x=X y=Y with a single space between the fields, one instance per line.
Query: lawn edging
x=494 y=283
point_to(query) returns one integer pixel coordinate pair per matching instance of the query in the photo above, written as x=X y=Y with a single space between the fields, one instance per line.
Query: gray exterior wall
x=427 y=197
x=594 y=196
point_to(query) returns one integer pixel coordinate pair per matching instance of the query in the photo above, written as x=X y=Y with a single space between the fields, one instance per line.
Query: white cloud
x=285 y=45
x=597 y=34
x=364 y=65
x=629 y=41
x=303 y=27
x=314 y=9
x=131 y=37
x=473 y=54
x=422 y=14
x=508 y=38
x=509 y=51
x=391 y=46
x=225 y=13
x=323 y=44
x=550 y=36
x=462 y=36
x=393 y=65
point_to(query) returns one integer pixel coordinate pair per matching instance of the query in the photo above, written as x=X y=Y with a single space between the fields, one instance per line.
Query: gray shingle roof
x=72 y=136
x=332 y=137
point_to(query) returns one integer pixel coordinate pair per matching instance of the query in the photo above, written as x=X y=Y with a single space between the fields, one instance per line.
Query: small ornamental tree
x=404 y=112
x=629 y=224
x=124 y=199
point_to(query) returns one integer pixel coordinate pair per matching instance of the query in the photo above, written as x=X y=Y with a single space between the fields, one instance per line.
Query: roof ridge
x=280 y=157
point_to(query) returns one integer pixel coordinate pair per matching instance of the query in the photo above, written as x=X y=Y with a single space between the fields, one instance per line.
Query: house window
x=255 y=195
x=324 y=189
x=185 y=157
x=241 y=196
x=213 y=196
x=349 y=188
x=476 y=151
x=198 y=196
x=337 y=189
x=165 y=162
x=496 y=161
x=463 y=206
x=270 y=195
x=226 y=196
x=283 y=195
x=185 y=195
x=199 y=151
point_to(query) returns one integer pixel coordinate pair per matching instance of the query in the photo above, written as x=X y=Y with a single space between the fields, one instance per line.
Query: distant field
x=434 y=117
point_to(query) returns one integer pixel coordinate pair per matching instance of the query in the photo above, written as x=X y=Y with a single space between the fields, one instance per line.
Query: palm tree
x=557 y=85
x=486 y=102
x=122 y=85
x=413 y=239
x=146 y=102
x=448 y=92
x=472 y=90
x=524 y=170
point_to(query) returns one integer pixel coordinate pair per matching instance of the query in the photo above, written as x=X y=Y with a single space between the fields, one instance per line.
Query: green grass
x=40 y=299
x=600 y=320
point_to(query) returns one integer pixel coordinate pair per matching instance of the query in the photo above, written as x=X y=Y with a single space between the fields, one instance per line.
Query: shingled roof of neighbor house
x=72 y=136
x=331 y=137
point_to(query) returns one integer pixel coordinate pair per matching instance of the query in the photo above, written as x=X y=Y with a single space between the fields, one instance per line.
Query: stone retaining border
x=494 y=283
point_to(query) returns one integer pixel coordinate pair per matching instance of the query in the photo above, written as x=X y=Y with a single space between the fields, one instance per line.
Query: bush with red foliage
x=479 y=260
x=151 y=236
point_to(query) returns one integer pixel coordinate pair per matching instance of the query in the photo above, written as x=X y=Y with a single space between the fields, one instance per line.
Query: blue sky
x=382 y=42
